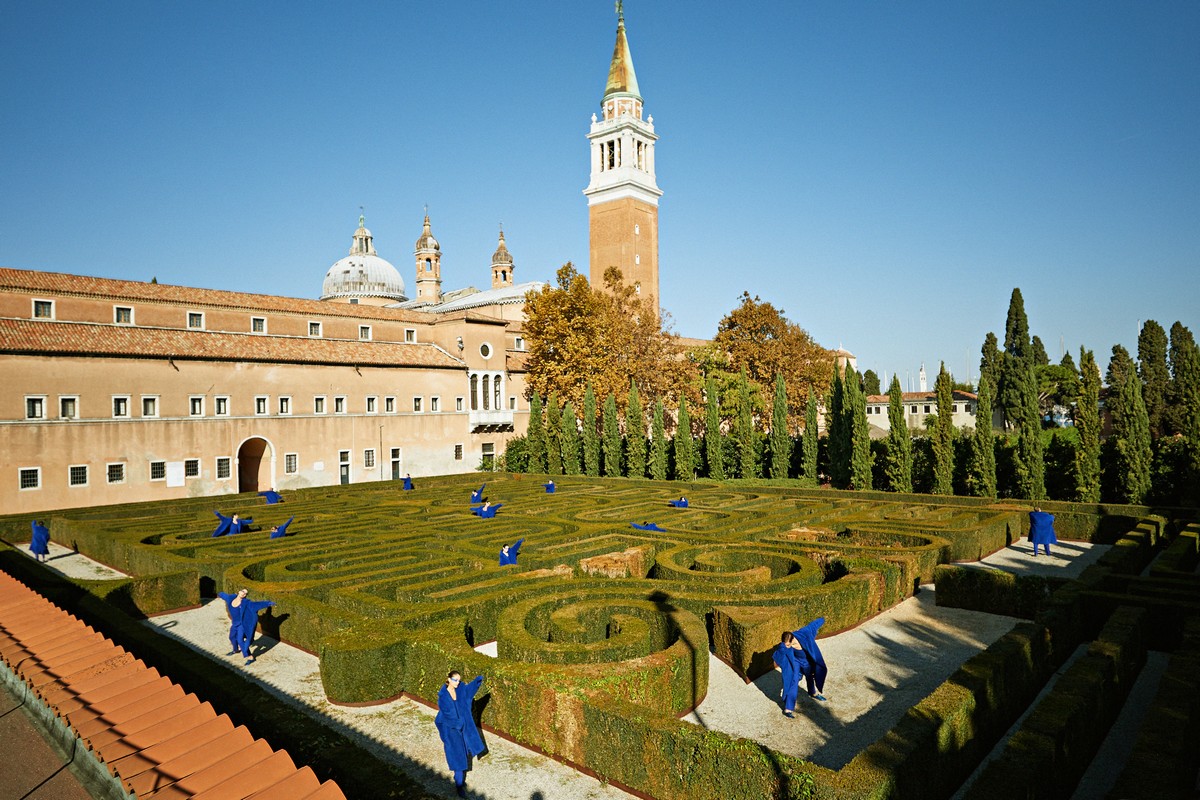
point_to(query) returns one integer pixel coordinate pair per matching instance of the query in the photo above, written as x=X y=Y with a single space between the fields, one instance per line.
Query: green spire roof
x=621 y=78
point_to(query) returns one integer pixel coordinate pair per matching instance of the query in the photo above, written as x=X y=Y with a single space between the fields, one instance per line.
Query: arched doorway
x=256 y=465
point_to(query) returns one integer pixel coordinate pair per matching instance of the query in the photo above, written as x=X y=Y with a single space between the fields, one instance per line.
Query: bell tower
x=428 y=254
x=622 y=194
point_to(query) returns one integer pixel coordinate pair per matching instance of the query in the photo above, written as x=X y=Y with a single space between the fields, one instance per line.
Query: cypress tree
x=612 y=439
x=635 y=434
x=743 y=432
x=1152 y=367
x=898 y=468
x=808 y=445
x=1016 y=370
x=554 y=464
x=535 y=436
x=1185 y=366
x=685 y=452
x=1038 y=351
x=860 y=438
x=1087 y=425
x=781 y=443
x=990 y=361
x=591 y=434
x=658 y=444
x=837 y=433
x=569 y=440
x=1130 y=430
x=981 y=477
x=943 y=435
x=713 y=450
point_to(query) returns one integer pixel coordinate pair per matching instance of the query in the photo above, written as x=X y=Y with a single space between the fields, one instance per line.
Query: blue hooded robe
x=456 y=725
x=243 y=620
x=1041 y=530
x=39 y=541
x=513 y=550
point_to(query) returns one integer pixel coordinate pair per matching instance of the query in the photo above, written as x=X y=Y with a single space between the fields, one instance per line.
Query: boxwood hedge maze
x=603 y=631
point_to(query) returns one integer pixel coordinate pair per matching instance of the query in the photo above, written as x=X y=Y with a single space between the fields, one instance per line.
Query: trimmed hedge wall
x=992 y=590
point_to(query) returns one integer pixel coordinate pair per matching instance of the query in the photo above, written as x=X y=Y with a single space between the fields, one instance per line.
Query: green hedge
x=992 y=590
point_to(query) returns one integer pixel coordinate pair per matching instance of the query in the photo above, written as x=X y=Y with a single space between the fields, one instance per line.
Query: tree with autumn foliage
x=758 y=338
x=607 y=335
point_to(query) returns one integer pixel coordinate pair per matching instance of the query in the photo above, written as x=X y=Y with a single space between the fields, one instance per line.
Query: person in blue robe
x=549 y=487
x=222 y=526
x=1041 y=530
x=243 y=619
x=814 y=668
x=272 y=496
x=680 y=503
x=787 y=658
x=477 y=495
x=508 y=553
x=647 y=526
x=39 y=541
x=279 y=531
x=456 y=726
x=408 y=482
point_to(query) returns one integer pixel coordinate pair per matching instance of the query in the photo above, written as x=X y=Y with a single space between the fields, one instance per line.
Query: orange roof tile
x=38 y=337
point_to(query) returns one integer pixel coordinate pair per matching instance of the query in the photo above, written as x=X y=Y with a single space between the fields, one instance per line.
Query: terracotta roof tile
x=24 y=280
x=918 y=397
x=36 y=337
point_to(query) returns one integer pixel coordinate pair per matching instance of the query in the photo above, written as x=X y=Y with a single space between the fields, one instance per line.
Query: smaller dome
x=502 y=256
x=426 y=241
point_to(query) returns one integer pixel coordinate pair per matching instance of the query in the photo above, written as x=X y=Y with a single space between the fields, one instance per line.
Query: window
x=339 y=405
x=475 y=393
x=260 y=404
x=458 y=452
x=123 y=315
x=489 y=455
x=319 y=405
x=291 y=463
x=512 y=404
x=519 y=343
x=29 y=478
x=927 y=409
x=221 y=406
x=417 y=404
x=195 y=320
x=35 y=408
x=258 y=324
x=343 y=456
x=77 y=475
x=158 y=470
x=364 y=333
x=116 y=473
x=410 y=335
x=914 y=409
x=954 y=408
x=353 y=301
x=196 y=406
x=967 y=407
x=458 y=404
x=389 y=405
x=120 y=406
x=314 y=329
x=372 y=405
x=369 y=458
x=435 y=404
x=224 y=468
x=285 y=405
x=68 y=407
x=43 y=309
x=149 y=407
x=496 y=393
x=486 y=392
x=395 y=463
x=191 y=468
x=485 y=350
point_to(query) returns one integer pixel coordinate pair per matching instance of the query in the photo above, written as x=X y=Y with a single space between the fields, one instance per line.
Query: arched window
x=496 y=388
x=474 y=392
x=486 y=393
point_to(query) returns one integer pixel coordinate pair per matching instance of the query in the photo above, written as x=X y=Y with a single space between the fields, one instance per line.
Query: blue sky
x=884 y=172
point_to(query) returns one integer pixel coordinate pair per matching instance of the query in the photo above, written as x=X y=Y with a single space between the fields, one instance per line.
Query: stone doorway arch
x=255 y=465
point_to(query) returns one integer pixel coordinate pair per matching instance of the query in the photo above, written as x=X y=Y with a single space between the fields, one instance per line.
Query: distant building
x=918 y=406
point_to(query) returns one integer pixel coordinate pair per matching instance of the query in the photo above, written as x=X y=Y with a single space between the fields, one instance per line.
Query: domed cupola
x=363 y=276
x=502 y=265
x=429 y=265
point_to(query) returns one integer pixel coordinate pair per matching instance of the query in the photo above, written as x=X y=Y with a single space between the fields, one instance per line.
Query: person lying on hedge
x=797 y=655
x=456 y=725
x=508 y=554
x=243 y=618
x=1041 y=530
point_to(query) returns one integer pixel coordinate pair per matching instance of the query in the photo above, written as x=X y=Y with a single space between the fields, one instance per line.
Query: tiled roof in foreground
x=108 y=288
x=33 y=337
x=155 y=739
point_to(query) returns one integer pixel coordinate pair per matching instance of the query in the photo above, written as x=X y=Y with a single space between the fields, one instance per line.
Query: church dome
x=426 y=240
x=362 y=273
x=502 y=256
